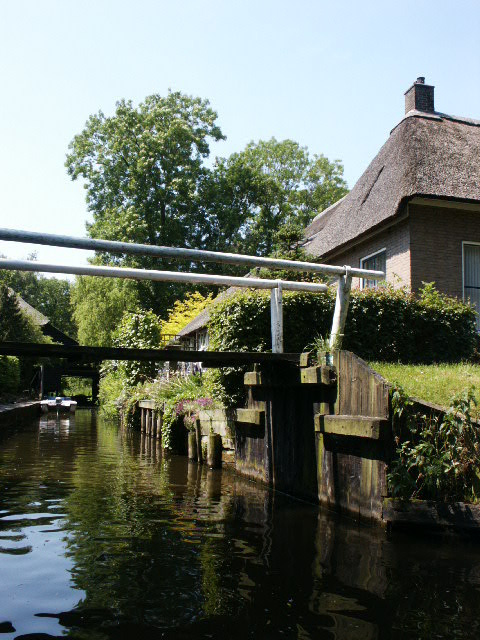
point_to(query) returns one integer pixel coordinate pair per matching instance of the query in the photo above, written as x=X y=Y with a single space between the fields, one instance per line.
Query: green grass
x=434 y=383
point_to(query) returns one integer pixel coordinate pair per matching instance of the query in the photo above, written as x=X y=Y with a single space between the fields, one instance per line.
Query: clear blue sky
x=330 y=75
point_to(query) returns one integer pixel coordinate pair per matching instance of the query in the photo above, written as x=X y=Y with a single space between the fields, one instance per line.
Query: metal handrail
x=178 y=253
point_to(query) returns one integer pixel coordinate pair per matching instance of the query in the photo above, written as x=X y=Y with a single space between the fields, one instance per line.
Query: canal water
x=101 y=537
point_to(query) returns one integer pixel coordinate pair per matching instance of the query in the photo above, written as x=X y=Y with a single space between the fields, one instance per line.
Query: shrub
x=437 y=456
x=140 y=330
x=382 y=324
x=9 y=374
x=179 y=399
x=110 y=393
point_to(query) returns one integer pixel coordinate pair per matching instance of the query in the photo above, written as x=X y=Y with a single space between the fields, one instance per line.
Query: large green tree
x=141 y=168
x=255 y=200
x=99 y=305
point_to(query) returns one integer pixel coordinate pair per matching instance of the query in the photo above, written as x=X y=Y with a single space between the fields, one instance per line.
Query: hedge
x=9 y=374
x=386 y=324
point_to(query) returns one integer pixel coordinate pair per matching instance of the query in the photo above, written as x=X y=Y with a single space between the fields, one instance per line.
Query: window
x=471 y=275
x=377 y=262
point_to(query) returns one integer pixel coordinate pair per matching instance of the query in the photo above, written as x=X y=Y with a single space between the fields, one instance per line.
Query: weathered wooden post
x=198 y=435
x=276 y=316
x=341 y=309
x=142 y=420
x=214 y=451
x=192 y=445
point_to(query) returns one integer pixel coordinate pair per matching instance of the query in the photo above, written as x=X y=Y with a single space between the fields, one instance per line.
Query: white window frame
x=372 y=255
x=475 y=244
x=464 y=242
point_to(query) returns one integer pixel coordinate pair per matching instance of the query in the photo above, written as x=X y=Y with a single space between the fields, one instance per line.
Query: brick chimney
x=419 y=97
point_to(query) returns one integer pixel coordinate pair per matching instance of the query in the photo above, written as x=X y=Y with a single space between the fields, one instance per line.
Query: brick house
x=415 y=212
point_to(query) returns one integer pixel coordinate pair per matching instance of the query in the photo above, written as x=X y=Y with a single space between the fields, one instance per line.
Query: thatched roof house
x=415 y=210
x=43 y=322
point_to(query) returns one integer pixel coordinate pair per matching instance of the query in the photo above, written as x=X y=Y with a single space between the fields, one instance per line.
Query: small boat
x=58 y=405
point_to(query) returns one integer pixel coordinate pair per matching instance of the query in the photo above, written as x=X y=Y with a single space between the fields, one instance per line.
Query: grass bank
x=435 y=383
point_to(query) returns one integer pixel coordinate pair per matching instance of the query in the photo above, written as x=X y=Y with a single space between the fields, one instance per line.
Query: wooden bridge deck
x=97 y=354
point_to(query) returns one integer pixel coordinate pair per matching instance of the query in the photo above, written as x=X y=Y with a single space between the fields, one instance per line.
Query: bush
x=110 y=394
x=382 y=324
x=179 y=399
x=437 y=456
x=9 y=374
x=139 y=330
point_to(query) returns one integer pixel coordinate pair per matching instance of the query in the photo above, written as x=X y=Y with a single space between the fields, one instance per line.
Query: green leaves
x=437 y=455
x=140 y=330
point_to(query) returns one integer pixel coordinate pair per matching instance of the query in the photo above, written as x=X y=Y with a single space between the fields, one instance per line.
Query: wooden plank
x=250 y=416
x=252 y=378
x=92 y=354
x=356 y=426
x=318 y=375
x=306 y=359
x=458 y=515
x=146 y=404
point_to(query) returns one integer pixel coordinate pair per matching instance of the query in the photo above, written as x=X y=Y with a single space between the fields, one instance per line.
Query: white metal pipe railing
x=160 y=276
x=194 y=255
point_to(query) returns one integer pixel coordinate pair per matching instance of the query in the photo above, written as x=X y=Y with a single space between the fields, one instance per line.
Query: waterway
x=102 y=537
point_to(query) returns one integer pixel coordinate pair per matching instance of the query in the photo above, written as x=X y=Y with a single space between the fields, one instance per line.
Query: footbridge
x=343 y=275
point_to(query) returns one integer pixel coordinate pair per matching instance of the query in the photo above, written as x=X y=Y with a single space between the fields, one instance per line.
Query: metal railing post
x=341 y=309
x=276 y=312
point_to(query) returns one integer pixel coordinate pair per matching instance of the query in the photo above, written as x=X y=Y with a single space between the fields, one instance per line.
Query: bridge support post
x=341 y=309
x=276 y=313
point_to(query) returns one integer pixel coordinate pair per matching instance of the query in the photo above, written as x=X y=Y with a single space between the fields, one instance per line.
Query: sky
x=330 y=75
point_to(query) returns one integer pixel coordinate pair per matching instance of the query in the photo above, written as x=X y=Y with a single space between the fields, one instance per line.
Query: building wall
x=437 y=234
x=396 y=241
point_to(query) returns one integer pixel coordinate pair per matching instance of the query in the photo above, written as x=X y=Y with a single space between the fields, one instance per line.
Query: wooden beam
x=356 y=426
x=250 y=416
x=98 y=354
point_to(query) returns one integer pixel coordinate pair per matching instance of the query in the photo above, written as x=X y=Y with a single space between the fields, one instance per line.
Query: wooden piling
x=214 y=451
x=192 y=445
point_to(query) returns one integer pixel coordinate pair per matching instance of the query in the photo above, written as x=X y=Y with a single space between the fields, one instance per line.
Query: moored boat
x=58 y=405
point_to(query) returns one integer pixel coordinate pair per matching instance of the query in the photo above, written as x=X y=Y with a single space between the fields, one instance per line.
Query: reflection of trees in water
x=161 y=543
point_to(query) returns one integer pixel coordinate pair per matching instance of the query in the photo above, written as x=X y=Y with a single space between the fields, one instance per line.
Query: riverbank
x=17 y=413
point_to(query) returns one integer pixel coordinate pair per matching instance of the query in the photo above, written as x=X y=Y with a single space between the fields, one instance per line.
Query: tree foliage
x=146 y=182
x=270 y=189
x=99 y=304
x=139 y=330
x=141 y=168
x=50 y=296
x=183 y=311
x=16 y=326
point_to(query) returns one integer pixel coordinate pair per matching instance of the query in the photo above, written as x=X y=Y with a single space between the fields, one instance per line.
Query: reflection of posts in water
x=214 y=485
x=194 y=478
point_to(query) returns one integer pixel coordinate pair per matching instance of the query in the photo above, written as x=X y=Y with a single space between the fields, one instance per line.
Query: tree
x=252 y=195
x=99 y=304
x=141 y=168
x=139 y=330
x=50 y=296
x=183 y=311
x=16 y=326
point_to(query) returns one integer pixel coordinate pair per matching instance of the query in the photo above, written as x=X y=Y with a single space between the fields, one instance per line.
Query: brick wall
x=396 y=241
x=436 y=245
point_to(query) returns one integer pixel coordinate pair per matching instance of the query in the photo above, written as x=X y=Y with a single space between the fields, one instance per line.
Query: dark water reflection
x=101 y=537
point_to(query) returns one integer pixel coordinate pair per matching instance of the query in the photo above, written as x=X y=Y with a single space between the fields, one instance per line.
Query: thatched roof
x=37 y=316
x=42 y=321
x=426 y=155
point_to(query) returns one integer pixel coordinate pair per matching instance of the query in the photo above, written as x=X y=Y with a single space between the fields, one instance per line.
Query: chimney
x=419 y=97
